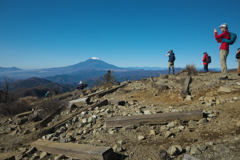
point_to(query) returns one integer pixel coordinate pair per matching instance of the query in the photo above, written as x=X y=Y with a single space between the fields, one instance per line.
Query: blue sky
x=126 y=33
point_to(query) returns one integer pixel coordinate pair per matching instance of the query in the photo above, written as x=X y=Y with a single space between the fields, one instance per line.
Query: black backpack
x=238 y=56
x=209 y=60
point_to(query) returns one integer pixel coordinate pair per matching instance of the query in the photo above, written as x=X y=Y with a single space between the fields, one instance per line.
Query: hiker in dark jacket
x=238 y=52
x=81 y=85
x=171 y=60
x=224 y=49
x=205 y=64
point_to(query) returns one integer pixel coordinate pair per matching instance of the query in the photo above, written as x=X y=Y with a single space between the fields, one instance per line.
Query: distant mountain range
x=90 y=64
x=12 y=69
x=87 y=71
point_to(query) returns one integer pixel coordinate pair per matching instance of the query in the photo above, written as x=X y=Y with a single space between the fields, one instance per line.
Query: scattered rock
x=194 y=150
x=238 y=123
x=188 y=148
x=163 y=155
x=173 y=151
x=188 y=157
x=188 y=98
x=168 y=134
x=221 y=148
x=147 y=112
x=152 y=132
x=201 y=98
x=171 y=125
x=141 y=138
x=202 y=148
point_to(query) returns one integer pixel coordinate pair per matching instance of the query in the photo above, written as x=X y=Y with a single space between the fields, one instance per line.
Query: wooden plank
x=185 y=89
x=74 y=150
x=151 y=79
x=83 y=100
x=45 y=121
x=23 y=114
x=180 y=72
x=161 y=118
x=51 y=128
x=102 y=93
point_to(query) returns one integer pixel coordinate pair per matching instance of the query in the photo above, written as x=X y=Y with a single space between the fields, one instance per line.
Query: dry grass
x=180 y=81
x=13 y=108
x=191 y=69
x=28 y=99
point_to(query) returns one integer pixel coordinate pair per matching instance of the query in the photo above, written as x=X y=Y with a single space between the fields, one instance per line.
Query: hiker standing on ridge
x=205 y=64
x=171 y=60
x=238 y=53
x=47 y=94
x=81 y=85
x=224 y=49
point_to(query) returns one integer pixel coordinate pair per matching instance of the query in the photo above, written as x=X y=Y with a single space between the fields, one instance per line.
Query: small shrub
x=52 y=105
x=191 y=69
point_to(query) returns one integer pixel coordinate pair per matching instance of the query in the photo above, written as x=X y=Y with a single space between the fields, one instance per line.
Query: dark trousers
x=205 y=68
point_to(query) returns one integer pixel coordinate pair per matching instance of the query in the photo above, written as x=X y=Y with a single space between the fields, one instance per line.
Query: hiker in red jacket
x=205 y=64
x=224 y=49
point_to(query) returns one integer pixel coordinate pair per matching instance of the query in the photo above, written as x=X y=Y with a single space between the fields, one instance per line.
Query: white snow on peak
x=95 y=58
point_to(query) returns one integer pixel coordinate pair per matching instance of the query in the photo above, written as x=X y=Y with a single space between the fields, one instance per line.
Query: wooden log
x=117 y=102
x=151 y=79
x=102 y=93
x=46 y=120
x=74 y=150
x=23 y=114
x=80 y=100
x=64 y=96
x=51 y=128
x=185 y=89
x=180 y=72
x=84 y=100
x=161 y=118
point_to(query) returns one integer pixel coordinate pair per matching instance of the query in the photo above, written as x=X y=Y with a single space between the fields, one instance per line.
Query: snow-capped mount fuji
x=93 y=63
x=95 y=58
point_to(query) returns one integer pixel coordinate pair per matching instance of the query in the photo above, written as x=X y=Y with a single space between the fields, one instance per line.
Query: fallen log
x=51 y=128
x=83 y=100
x=151 y=79
x=180 y=72
x=23 y=114
x=102 y=93
x=185 y=89
x=161 y=118
x=73 y=150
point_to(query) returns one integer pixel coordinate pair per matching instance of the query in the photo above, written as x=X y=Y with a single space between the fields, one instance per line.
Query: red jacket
x=205 y=59
x=225 y=34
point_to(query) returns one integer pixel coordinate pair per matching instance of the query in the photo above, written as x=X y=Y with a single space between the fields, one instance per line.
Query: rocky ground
x=214 y=137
